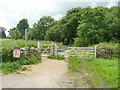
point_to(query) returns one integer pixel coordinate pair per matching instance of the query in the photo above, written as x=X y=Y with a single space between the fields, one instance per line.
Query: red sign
x=16 y=53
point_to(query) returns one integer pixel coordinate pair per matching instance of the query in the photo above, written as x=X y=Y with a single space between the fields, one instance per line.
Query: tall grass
x=21 y=43
x=14 y=66
x=101 y=72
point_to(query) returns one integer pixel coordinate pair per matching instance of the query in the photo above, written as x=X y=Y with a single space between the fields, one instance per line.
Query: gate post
x=53 y=50
x=66 y=56
x=95 y=51
x=39 y=46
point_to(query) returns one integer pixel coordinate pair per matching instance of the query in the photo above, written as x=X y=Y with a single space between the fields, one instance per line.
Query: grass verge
x=57 y=58
x=101 y=72
x=21 y=43
x=13 y=66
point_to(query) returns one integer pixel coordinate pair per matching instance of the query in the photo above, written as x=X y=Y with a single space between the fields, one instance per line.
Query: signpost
x=16 y=53
x=26 y=31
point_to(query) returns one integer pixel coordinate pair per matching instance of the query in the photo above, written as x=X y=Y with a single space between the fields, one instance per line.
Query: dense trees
x=39 y=29
x=81 y=26
x=18 y=32
x=2 y=32
x=99 y=25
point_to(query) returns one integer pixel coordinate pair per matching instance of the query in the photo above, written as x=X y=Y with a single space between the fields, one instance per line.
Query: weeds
x=101 y=72
x=11 y=67
x=58 y=57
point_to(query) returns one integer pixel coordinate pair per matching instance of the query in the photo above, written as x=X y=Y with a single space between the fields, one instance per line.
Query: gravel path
x=48 y=74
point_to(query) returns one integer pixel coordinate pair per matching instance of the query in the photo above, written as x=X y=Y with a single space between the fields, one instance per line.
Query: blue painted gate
x=62 y=48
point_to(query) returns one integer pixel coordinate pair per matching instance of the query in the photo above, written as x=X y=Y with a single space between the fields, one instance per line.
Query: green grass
x=101 y=72
x=73 y=63
x=10 y=67
x=13 y=66
x=57 y=58
x=21 y=43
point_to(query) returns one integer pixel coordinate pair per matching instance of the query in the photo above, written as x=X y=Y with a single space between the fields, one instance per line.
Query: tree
x=70 y=24
x=54 y=33
x=2 y=32
x=92 y=24
x=99 y=25
x=40 y=28
x=21 y=26
x=14 y=33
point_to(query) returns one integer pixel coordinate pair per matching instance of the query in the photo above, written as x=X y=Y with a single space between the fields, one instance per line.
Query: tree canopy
x=2 y=32
x=82 y=26
x=18 y=32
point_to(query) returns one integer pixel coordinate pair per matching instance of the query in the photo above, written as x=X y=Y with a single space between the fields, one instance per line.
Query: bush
x=11 y=67
x=79 y=42
x=7 y=55
x=107 y=48
x=66 y=41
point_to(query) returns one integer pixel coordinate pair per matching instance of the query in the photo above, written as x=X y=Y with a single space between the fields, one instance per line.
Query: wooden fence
x=44 y=49
x=81 y=51
x=53 y=49
x=108 y=54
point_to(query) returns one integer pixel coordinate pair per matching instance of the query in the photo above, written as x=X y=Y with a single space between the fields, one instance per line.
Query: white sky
x=12 y=11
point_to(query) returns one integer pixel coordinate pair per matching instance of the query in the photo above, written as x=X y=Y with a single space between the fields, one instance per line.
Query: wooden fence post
x=51 y=49
x=95 y=51
x=39 y=47
x=66 y=56
x=54 y=50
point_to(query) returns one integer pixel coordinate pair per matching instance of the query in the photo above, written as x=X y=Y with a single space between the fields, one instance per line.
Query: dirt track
x=48 y=74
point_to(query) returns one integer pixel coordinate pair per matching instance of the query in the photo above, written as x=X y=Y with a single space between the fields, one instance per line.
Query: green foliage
x=2 y=32
x=90 y=25
x=24 y=68
x=19 y=31
x=79 y=42
x=104 y=70
x=66 y=41
x=106 y=50
x=74 y=63
x=54 y=33
x=101 y=72
x=39 y=30
x=21 y=43
x=11 y=67
x=7 y=55
x=101 y=27
x=21 y=26
x=108 y=46
x=58 y=57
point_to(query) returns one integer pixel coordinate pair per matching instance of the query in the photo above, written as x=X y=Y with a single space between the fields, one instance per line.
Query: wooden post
x=95 y=51
x=55 y=50
x=51 y=49
x=66 y=56
x=39 y=46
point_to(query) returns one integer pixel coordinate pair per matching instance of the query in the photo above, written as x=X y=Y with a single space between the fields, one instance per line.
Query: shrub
x=79 y=42
x=66 y=41
x=7 y=55
x=11 y=67
x=107 y=49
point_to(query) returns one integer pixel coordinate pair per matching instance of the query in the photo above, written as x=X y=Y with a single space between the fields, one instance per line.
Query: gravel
x=48 y=74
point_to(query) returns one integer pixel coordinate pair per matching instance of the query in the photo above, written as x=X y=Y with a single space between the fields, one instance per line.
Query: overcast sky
x=12 y=11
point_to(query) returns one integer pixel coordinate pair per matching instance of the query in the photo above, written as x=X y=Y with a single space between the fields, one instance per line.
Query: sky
x=12 y=11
